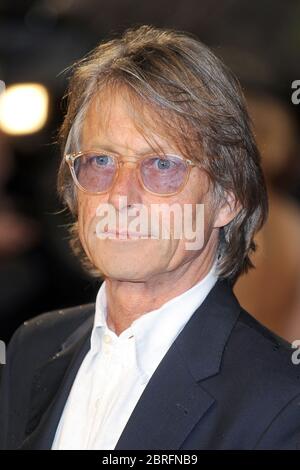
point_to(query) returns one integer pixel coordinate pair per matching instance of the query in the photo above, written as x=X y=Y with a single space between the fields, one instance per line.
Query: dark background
x=260 y=40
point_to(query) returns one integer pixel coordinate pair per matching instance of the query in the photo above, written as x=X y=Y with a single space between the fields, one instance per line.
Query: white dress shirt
x=116 y=369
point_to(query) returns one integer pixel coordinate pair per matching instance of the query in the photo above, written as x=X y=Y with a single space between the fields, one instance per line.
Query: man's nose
x=126 y=184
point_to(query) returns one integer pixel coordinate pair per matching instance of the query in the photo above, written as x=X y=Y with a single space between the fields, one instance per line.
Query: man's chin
x=125 y=270
x=129 y=260
x=125 y=276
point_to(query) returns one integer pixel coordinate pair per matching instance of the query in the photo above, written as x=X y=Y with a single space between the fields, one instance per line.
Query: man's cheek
x=86 y=213
x=84 y=224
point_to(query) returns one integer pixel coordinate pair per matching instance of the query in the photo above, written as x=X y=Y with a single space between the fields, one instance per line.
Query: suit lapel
x=51 y=387
x=174 y=400
x=171 y=405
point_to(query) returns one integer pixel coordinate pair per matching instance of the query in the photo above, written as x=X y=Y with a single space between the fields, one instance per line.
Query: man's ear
x=227 y=210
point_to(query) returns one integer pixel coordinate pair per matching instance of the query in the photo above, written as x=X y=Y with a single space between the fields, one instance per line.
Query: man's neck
x=127 y=301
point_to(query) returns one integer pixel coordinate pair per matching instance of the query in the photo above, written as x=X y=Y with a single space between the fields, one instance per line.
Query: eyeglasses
x=95 y=172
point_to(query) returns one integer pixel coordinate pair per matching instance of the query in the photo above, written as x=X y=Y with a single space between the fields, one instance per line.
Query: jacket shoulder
x=43 y=335
x=63 y=319
x=260 y=347
x=33 y=344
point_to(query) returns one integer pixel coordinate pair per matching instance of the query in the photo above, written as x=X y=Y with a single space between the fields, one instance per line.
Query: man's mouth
x=124 y=234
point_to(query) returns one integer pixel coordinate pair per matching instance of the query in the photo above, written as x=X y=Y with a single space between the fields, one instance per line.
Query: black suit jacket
x=225 y=383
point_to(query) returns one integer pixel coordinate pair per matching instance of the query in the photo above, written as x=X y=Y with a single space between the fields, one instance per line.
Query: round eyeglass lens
x=94 y=172
x=163 y=174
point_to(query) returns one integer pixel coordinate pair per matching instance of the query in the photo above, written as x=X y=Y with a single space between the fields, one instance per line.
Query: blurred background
x=259 y=40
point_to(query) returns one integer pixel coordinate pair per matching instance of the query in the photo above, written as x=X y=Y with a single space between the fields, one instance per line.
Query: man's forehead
x=114 y=127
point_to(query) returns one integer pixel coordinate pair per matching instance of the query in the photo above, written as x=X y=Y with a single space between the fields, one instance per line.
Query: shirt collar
x=155 y=331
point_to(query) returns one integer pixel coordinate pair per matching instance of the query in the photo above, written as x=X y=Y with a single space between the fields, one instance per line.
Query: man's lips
x=125 y=234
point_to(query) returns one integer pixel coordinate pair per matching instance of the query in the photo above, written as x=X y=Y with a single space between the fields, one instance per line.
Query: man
x=166 y=358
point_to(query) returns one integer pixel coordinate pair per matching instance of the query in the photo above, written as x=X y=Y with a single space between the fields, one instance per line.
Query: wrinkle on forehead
x=102 y=119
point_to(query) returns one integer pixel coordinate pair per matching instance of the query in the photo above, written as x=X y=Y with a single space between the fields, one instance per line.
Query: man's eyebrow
x=108 y=148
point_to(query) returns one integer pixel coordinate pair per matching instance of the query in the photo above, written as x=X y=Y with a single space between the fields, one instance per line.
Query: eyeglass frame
x=71 y=157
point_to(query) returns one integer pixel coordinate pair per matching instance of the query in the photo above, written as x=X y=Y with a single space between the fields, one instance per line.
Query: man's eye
x=101 y=160
x=163 y=164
